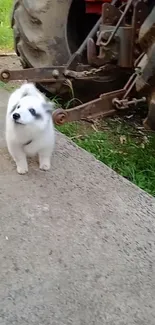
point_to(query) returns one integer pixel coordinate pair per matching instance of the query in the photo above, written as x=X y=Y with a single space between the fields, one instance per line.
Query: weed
x=6 y=36
x=134 y=158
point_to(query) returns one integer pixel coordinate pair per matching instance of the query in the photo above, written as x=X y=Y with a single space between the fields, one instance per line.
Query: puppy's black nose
x=16 y=116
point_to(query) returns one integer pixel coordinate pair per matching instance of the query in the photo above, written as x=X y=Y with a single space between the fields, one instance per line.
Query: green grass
x=134 y=159
x=6 y=36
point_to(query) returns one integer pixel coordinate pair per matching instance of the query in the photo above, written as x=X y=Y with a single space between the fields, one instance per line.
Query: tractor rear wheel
x=46 y=32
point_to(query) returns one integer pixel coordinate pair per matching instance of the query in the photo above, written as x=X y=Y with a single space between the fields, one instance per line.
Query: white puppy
x=29 y=127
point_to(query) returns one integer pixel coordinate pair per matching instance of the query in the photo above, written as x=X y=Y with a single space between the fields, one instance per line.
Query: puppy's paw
x=21 y=170
x=44 y=162
x=45 y=166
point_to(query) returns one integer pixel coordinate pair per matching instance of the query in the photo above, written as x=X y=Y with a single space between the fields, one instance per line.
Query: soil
x=10 y=62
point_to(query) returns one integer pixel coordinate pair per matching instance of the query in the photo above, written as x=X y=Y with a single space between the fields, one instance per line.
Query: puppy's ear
x=49 y=107
x=28 y=88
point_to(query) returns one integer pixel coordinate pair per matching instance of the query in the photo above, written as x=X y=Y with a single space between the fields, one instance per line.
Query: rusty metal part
x=130 y=84
x=100 y=107
x=121 y=47
x=137 y=61
x=55 y=74
x=125 y=103
x=92 y=52
x=106 y=105
x=146 y=79
x=104 y=57
x=60 y=116
x=50 y=74
x=147 y=70
x=147 y=31
x=111 y=15
x=95 y=80
x=140 y=12
x=90 y=73
x=149 y=122
x=127 y=7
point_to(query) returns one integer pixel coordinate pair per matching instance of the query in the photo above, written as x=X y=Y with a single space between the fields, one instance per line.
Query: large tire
x=40 y=32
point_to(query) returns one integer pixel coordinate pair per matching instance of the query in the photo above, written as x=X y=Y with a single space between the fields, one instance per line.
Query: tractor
x=103 y=50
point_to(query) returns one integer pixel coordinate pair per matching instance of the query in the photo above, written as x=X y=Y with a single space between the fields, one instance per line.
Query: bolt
x=5 y=75
x=55 y=73
x=67 y=72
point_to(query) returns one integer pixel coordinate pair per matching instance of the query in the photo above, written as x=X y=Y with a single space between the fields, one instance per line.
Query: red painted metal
x=95 y=6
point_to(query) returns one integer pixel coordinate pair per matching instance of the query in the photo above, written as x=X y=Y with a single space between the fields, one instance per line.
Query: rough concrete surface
x=77 y=244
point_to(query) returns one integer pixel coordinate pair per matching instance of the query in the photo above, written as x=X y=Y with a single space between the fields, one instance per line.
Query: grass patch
x=8 y=86
x=6 y=35
x=127 y=151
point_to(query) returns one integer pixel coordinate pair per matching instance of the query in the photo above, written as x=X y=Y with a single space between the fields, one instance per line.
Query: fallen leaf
x=123 y=139
x=145 y=138
x=94 y=128
x=129 y=116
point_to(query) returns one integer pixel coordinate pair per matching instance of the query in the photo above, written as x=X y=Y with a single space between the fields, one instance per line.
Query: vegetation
x=129 y=151
x=6 y=38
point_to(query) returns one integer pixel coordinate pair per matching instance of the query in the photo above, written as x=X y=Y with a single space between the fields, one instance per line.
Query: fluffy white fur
x=29 y=127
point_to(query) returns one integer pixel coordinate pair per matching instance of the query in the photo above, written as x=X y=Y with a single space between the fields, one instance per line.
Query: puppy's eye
x=32 y=111
x=18 y=106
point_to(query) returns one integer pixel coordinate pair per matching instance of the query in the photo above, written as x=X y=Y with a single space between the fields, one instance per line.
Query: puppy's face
x=31 y=110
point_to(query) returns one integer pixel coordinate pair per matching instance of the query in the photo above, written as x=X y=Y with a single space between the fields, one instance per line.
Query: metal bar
x=84 y=44
x=100 y=107
x=48 y=74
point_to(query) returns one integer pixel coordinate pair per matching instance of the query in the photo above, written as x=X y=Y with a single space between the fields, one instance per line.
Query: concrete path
x=77 y=244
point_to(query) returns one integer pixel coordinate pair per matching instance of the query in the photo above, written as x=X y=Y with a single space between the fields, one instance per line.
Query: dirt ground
x=10 y=61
